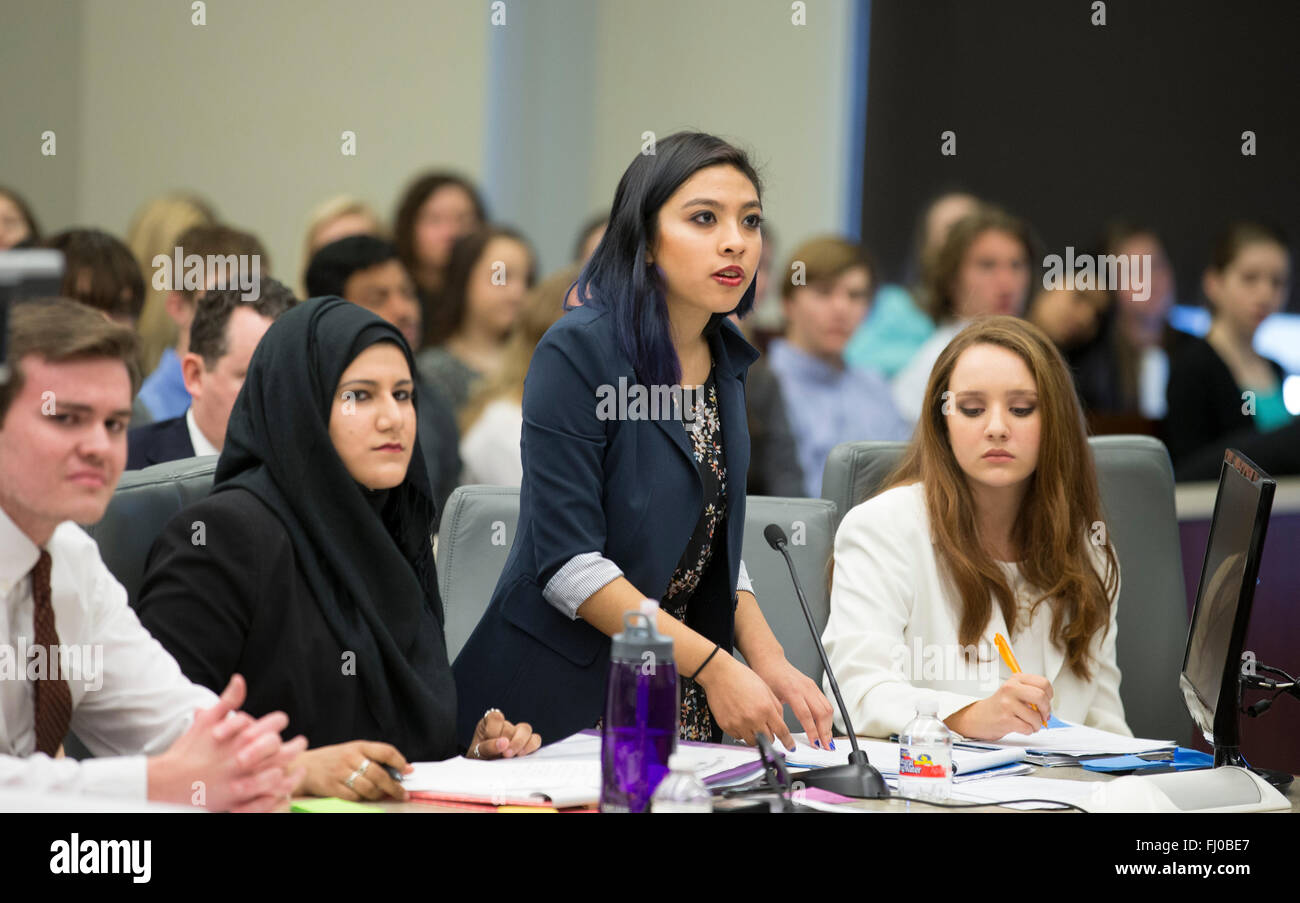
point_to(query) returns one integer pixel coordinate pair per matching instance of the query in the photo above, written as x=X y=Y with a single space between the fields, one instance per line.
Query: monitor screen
x=1212 y=660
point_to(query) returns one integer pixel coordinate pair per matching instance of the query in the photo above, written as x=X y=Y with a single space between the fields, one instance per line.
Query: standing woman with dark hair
x=1222 y=392
x=435 y=210
x=620 y=501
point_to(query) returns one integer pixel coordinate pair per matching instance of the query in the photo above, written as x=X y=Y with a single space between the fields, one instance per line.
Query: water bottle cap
x=640 y=637
x=679 y=762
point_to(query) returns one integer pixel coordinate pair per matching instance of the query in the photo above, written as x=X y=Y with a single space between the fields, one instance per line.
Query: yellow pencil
x=1010 y=658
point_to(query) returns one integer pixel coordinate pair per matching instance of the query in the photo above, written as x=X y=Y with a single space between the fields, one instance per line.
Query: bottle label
x=920 y=764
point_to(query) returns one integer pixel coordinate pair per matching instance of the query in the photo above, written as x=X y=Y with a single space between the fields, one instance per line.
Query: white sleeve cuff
x=580 y=578
x=742 y=580
x=125 y=776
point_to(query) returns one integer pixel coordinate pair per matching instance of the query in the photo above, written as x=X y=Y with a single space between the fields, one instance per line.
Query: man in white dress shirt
x=72 y=653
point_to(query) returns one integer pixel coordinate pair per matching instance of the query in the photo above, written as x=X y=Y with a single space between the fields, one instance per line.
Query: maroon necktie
x=53 y=698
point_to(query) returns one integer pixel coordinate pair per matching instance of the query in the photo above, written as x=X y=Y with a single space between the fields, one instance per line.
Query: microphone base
x=857 y=780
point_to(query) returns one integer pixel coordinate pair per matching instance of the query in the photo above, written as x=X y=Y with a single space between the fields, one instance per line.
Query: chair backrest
x=144 y=501
x=1136 y=482
x=474 y=540
x=809 y=524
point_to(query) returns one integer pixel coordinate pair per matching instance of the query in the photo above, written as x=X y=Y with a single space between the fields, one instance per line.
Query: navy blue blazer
x=155 y=443
x=628 y=489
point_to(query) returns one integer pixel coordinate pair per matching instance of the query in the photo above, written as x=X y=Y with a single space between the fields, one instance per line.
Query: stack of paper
x=1063 y=743
x=566 y=773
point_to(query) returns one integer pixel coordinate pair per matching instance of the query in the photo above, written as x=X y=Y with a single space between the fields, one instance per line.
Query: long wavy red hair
x=1057 y=518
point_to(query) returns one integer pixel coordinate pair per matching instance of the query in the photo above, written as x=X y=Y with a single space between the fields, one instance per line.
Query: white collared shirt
x=200 y=442
x=129 y=697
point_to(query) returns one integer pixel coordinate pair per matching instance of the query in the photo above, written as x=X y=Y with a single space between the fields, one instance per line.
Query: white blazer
x=892 y=636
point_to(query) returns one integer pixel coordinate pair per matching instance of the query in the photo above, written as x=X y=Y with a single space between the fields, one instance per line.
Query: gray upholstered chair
x=144 y=501
x=809 y=524
x=474 y=540
x=1137 y=497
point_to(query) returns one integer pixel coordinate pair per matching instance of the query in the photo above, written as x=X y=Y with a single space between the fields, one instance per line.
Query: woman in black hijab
x=309 y=569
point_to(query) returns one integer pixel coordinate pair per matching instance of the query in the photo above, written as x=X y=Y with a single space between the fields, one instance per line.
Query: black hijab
x=366 y=555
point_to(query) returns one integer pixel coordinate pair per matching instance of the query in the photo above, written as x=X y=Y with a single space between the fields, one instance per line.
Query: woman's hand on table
x=742 y=702
x=805 y=698
x=497 y=738
x=1009 y=710
x=353 y=771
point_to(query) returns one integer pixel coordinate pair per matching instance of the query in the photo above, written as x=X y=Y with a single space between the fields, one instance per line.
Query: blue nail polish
x=817 y=744
x=832 y=746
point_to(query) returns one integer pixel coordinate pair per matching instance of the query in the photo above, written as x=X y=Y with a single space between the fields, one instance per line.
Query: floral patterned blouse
x=704 y=430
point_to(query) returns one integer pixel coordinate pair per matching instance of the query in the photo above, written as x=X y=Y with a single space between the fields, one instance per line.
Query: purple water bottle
x=641 y=713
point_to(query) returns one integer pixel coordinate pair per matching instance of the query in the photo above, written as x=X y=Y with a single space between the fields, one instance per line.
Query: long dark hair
x=448 y=316
x=617 y=277
x=413 y=198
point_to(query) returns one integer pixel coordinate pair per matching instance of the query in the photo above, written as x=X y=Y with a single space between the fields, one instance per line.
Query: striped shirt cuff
x=580 y=578
x=742 y=580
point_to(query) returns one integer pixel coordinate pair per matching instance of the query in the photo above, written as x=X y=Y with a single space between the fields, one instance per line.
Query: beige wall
x=40 y=63
x=248 y=109
x=740 y=69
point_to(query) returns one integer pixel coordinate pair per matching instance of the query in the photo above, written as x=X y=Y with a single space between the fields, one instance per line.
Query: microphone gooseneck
x=858 y=778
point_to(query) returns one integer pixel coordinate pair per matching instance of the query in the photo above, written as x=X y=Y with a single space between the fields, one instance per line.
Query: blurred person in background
x=898 y=325
x=339 y=217
x=154 y=230
x=164 y=392
x=488 y=274
x=436 y=209
x=493 y=420
x=100 y=272
x=826 y=291
x=1123 y=376
x=1222 y=393
x=592 y=231
x=18 y=227
x=984 y=266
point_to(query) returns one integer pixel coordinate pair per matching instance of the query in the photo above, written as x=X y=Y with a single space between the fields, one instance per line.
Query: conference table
x=1063 y=772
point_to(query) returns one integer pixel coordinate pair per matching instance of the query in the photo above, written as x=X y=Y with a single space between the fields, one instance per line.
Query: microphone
x=858 y=779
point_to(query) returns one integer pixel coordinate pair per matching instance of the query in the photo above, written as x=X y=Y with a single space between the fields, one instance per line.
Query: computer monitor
x=1210 y=678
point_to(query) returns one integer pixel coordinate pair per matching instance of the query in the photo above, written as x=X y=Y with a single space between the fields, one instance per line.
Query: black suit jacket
x=156 y=443
x=238 y=603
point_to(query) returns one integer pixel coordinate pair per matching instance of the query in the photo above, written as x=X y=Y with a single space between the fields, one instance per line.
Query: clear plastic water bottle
x=681 y=790
x=925 y=757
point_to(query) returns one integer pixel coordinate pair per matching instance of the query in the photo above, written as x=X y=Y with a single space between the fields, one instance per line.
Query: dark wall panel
x=1069 y=123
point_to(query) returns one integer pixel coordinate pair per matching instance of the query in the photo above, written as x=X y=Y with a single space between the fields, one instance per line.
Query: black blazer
x=156 y=443
x=627 y=489
x=237 y=603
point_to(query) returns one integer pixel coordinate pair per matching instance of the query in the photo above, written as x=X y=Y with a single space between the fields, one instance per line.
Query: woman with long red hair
x=990 y=524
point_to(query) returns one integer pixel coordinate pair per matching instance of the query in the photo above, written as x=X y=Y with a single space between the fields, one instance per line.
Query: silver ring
x=476 y=746
x=361 y=769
